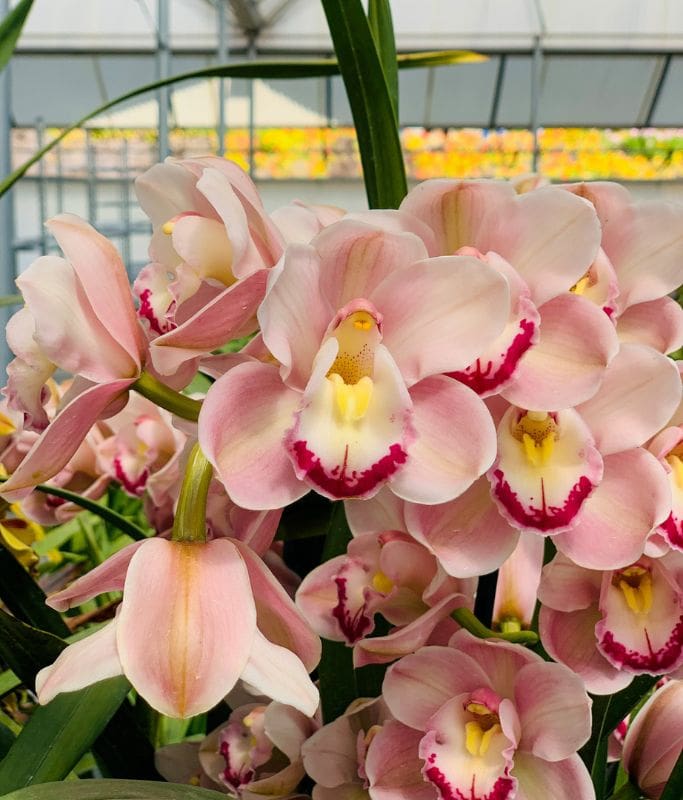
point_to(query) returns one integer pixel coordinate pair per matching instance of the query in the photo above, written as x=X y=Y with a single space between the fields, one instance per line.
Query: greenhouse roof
x=611 y=63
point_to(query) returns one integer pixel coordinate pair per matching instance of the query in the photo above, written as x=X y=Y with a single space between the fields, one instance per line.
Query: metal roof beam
x=652 y=98
x=248 y=16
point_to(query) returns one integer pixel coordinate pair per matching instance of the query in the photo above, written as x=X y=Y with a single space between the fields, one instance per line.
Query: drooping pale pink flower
x=334 y=756
x=655 y=739
x=195 y=618
x=488 y=719
x=211 y=248
x=82 y=319
x=256 y=753
x=301 y=222
x=385 y=573
x=556 y=345
x=644 y=247
x=609 y=626
x=361 y=324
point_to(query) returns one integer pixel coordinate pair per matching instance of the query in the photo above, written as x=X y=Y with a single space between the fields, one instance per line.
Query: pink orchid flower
x=256 y=753
x=467 y=535
x=143 y=449
x=301 y=222
x=210 y=251
x=555 y=345
x=609 y=626
x=644 y=247
x=335 y=755
x=581 y=474
x=361 y=324
x=488 y=720
x=654 y=740
x=195 y=618
x=667 y=446
x=83 y=321
x=385 y=573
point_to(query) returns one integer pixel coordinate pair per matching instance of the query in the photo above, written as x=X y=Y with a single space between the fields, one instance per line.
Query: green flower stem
x=189 y=524
x=466 y=619
x=175 y=402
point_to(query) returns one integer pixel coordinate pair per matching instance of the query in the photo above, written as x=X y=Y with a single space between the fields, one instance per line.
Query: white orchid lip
x=641 y=630
x=547 y=466
x=353 y=428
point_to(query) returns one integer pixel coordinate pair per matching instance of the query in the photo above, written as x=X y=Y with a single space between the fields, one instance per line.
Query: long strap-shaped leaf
x=10 y=30
x=370 y=100
x=114 y=790
x=382 y=28
x=312 y=68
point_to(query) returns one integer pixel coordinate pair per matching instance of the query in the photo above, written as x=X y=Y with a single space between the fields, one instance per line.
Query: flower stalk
x=175 y=402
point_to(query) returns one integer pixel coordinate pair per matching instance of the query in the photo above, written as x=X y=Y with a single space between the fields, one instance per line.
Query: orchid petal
x=568 y=363
x=657 y=323
x=277 y=616
x=242 y=427
x=87 y=661
x=632 y=499
x=62 y=438
x=187 y=624
x=229 y=315
x=101 y=273
x=467 y=535
x=455 y=442
x=562 y=780
x=295 y=314
x=640 y=392
x=570 y=638
x=439 y=315
x=278 y=673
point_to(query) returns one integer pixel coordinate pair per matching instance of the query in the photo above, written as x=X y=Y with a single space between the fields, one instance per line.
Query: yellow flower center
x=381 y=583
x=537 y=431
x=480 y=731
x=636 y=585
x=675 y=461
x=7 y=427
x=351 y=372
x=582 y=284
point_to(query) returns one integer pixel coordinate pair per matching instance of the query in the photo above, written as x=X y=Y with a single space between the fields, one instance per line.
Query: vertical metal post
x=536 y=66
x=163 y=71
x=60 y=178
x=91 y=178
x=125 y=208
x=7 y=260
x=42 y=188
x=252 y=54
x=222 y=54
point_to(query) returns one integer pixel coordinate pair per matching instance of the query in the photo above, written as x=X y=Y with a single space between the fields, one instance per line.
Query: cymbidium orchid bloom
x=654 y=740
x=556 y=345
x=667 y=446
x=361 y=325
x=82 y=319
x=609 y=626
x=644 y=247
x=335 y=755
x=196 y=616
x=189 y=627
x=489 y=721
x=143 y=449
x=256 y=753
x=580 y=474
x=210 y=251
x=385 y=573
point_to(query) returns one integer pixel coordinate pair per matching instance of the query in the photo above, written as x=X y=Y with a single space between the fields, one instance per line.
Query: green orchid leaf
x=10 y=30
x=114 y=790
x=370 y=100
